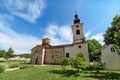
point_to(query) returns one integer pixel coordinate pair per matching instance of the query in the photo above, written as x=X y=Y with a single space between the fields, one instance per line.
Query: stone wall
x=52 y=55
x=76 y=48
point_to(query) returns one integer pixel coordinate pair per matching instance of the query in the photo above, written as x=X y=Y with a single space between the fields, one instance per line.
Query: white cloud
x=29 y=10
x=98 y=37
x=87 y=34
x=59 y=34
x=19 y=42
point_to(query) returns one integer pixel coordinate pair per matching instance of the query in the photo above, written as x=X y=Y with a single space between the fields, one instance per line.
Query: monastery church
x=48 y=54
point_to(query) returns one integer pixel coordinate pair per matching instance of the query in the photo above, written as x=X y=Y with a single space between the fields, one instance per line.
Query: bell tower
x=77 y=29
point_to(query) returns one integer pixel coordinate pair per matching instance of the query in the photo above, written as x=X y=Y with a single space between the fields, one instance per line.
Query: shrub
x=25 y=66
x=95 y=65
x=78 y=62
x=2 y=68
x=13 y=65
x=64 y=62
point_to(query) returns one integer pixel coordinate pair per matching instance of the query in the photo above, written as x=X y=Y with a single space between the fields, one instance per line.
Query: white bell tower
x=77 y=29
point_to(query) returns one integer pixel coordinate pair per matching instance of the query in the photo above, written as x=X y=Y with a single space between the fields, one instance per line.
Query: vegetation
x=24 y=66
x=93 y=47
x=27 y=55
x=14 y=65
x=52 y=72
x=112 y=35
x=28 y=72
x=2 y=67
x=64 y=62
x=9 y=53
x=78 y=62
x=2 y=53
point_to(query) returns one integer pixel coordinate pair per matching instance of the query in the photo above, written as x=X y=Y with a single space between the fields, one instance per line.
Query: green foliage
x=95 y=65
x=2 y=53
x=64 y=62
x=2 y=67
x=112 y=34
x=25 y=55
x=14 y=65
x=93 y=47
x=9 y=53
x=78 y=62
x=25 y=66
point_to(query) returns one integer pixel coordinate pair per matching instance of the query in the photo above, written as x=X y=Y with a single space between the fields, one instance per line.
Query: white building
x=109 y=58
x=48 y=54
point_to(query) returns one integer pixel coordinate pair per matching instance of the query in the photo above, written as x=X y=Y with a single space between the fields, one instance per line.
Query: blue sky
x=23 y=23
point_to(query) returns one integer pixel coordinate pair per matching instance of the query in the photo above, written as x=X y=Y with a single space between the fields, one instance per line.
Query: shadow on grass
x=104 y=75
x=101 y=75
x=66 y=73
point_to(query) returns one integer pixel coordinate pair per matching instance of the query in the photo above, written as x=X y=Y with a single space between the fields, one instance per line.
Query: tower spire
x=76 y=20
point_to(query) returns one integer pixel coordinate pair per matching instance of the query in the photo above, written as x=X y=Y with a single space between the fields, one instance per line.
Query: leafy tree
x=78 y=62
x=9 y=53
x=2 y=53
x=112 y=35
x=93 y=47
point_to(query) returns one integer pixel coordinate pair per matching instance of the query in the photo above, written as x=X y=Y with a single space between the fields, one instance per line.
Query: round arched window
x=77 y=26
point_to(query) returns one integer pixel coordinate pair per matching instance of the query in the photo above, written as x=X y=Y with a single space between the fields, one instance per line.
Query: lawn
x=56 y=73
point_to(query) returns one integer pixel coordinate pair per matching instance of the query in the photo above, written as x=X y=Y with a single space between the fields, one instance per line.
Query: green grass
x=56 y=73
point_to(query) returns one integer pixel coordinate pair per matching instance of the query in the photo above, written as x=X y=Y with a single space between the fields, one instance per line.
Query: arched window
x=77 y=32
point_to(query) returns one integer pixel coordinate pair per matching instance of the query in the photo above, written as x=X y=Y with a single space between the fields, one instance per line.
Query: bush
x=78 y=62
x=95 y=65
x=13 y=65
x=25 y=66
x=2 y=68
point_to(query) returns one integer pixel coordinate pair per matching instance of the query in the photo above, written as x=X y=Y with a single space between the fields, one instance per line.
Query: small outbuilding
x=110 y=58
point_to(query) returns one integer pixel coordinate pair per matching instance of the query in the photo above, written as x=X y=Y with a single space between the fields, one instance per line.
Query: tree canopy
x=9 y=53
x=93 y=47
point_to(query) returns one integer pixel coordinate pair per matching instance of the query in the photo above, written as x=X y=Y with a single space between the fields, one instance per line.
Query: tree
x=78 y=62
x=112 y=34
x=93 y=47
x=9 y=53
x=2 y=53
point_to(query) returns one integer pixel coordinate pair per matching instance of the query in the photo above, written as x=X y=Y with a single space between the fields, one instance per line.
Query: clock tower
x=77 y=29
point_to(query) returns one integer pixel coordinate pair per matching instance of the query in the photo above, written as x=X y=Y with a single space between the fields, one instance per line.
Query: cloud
x=99 y=37
x=29 y=10
x=21 y=43
x=59 y=34
x=87 y=34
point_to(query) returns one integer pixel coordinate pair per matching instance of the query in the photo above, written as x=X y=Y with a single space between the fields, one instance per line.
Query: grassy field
x=57 y=73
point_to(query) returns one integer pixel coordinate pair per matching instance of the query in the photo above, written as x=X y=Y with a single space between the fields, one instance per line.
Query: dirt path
x=10 y=69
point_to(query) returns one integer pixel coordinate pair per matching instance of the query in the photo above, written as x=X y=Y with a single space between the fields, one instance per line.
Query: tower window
x=77 y=32
x=67 y=55
x=77 y=26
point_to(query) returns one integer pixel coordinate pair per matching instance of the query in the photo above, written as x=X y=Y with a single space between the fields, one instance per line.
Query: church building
x=48 y=54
